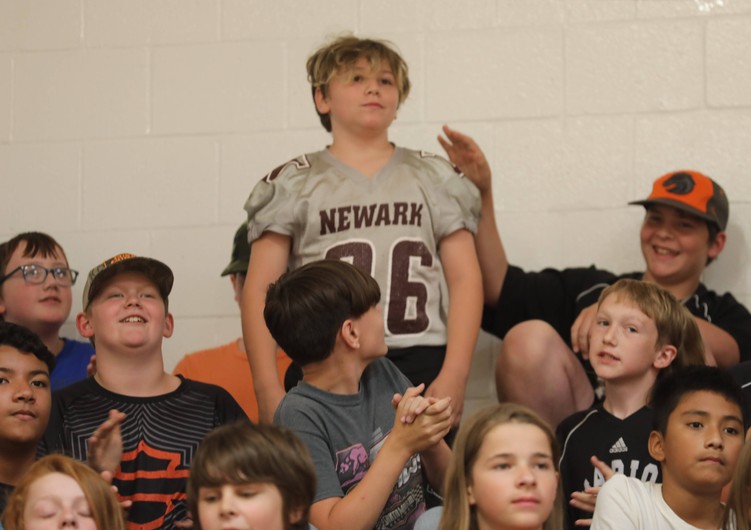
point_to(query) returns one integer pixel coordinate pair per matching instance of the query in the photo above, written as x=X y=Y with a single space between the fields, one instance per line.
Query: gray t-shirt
x=344 y=433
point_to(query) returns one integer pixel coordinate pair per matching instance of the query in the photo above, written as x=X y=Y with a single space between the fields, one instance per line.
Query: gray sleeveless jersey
x=390 y=225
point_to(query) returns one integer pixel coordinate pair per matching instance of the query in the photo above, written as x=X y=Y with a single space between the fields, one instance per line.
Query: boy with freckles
x=126 y=316
x=697 y=437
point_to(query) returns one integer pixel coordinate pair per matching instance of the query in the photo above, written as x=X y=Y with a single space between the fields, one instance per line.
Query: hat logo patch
x=679 y=184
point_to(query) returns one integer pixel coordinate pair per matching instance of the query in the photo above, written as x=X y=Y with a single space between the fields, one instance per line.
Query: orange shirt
x=226 y=366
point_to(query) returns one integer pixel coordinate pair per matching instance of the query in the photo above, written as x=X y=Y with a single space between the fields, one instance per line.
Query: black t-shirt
x=620 y=443
x=558 y=296
x=160 y=437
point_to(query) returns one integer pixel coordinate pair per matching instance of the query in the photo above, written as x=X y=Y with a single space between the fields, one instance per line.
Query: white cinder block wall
x=142 y=125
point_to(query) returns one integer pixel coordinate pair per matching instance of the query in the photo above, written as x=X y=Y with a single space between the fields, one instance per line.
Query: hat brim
x=155 y=270
x=236 y=267
x=680 y=206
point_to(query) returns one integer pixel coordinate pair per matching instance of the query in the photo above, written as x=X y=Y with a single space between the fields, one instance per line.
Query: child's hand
x=465 y=154
x=91 y=367
x=414 y=408
x=105 y=446
x=448 y=386
x=586 y=500
x=580 y=330
x=427 y=429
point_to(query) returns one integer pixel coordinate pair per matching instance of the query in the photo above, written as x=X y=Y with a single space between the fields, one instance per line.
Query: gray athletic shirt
x=344 y=434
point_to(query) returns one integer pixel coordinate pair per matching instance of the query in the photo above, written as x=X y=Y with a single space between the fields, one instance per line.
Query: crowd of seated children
x=59 y=492
x=125 y=315
x=35 y=292
x=641 y=334
x=545 y=317
x=370 y=441
x=372 y=462
x=697 y=437
x=251 y=476
x=403 y=216
x=227 y=366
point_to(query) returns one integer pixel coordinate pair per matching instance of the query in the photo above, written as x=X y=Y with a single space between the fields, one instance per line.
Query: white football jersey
x=390 y=225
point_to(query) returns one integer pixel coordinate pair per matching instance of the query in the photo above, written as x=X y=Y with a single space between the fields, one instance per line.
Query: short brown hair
x=242 y=453
x=675 y=324
x=37 y=244
x=306 y=307
x=457 y=513
x=104 y=506
x=342 y=53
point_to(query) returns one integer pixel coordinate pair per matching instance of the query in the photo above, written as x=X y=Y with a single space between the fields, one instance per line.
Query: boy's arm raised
x=465 y=154
x=268 y=260
x=363 y=504
x=464 y=284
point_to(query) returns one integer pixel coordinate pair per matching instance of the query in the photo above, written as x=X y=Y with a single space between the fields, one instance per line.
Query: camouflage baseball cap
x=240 y=253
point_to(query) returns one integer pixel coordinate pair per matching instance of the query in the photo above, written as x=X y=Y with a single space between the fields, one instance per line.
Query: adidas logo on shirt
x=619 y=446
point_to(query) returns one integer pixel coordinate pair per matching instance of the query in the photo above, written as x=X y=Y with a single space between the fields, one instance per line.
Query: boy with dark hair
x=227 y=365
x=35 y=292
x=545 y=318
x=371 y=461
x=641 y=334
x=404 y=217
x=125 y=303
x=25 y=367
x=697 y=437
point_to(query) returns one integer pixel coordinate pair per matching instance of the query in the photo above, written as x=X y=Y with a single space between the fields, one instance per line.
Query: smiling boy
x=125 y=303
x=545 y=318
x=36 y=292
x=25 y=366
x=404 y=217
x=697 y=437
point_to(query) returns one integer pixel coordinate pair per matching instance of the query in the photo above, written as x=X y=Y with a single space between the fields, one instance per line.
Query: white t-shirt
x=626 y=503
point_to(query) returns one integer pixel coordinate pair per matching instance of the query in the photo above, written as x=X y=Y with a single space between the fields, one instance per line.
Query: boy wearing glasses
x=35 y=292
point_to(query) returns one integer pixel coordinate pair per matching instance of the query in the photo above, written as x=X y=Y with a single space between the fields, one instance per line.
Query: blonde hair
x=341 y=54
x=103 y=505
x=675 y=324
x=739 y=499
x=457 y=512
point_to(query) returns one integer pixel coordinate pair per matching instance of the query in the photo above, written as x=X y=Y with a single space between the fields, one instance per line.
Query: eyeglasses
x=36 y=274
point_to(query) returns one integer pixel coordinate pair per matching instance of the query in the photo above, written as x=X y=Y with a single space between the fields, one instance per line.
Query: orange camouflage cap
x=155 y=270
x=692 y=192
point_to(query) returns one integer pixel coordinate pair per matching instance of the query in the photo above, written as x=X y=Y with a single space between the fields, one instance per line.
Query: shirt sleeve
x=271 y=204
x=454 y=200
x=294 y=415
x=551 y=295
x=725 y=312
x=615 y=509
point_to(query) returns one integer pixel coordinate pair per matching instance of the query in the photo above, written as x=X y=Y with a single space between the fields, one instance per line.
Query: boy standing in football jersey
x=405 y=217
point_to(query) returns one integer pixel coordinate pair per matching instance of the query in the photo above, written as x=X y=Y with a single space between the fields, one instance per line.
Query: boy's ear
x=350 y=334
x=169 y=326
x=295 y=515
x=656 y=446
x=322 y=102
x=717 y=245
x=83 y=325
x=665 y=355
